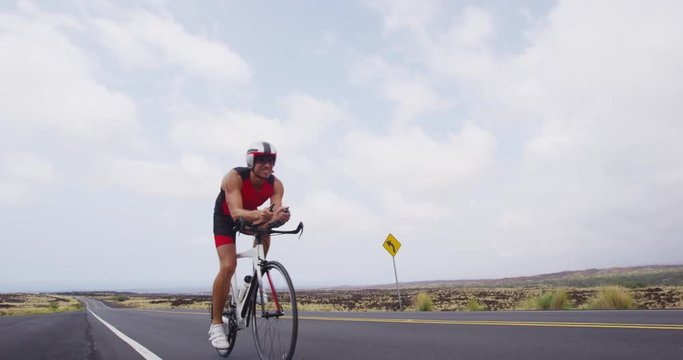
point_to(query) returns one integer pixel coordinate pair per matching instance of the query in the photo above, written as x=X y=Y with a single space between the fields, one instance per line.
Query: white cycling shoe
x=217 y=336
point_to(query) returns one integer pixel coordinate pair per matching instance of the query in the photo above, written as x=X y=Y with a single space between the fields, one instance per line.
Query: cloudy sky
x=493 y=139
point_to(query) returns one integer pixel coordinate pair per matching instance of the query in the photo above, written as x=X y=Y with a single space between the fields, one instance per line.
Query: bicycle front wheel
x=275 y=316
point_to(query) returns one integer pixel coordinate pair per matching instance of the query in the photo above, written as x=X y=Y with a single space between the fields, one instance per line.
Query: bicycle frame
x=258 y=257
x=241 y=312
x=258 y=261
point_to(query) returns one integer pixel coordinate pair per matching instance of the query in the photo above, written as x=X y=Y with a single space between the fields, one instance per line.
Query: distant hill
x=634 y=276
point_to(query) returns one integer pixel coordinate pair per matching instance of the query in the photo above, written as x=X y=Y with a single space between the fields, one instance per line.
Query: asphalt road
x=175 y=334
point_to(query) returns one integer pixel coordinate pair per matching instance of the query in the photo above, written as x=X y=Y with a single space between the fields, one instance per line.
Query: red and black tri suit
x=223 y=224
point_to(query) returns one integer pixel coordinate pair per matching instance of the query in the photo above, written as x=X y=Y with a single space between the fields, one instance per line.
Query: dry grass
x=474 y=305
x=32 y=304
x=612 y=298
x=157 y=301
x=443 y=299
x=457 y=299
x=548 y=300
x=560 y=301
x=423 y=302
x=318 y=307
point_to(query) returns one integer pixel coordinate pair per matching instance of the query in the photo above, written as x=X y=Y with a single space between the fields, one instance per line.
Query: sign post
x=391 y=244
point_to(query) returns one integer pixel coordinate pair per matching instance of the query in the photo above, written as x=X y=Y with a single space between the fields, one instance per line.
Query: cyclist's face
x=265 y=159
x=263 y=165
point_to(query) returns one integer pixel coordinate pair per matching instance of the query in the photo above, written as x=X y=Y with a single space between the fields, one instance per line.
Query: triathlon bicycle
x=268 y=303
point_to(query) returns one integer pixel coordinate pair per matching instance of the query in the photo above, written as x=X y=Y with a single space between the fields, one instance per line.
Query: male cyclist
x=243 y=190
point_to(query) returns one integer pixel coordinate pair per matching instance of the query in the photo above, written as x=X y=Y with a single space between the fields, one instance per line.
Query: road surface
x=105 y=333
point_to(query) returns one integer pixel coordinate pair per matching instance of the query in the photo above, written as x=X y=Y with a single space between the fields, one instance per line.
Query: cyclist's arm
x=232 y=185
x=278 y=192
x=281 y=215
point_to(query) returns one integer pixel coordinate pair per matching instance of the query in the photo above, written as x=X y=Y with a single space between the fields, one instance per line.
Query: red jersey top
x=251 y=198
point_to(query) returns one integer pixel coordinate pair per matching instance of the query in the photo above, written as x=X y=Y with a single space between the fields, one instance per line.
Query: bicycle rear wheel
x=275 y=316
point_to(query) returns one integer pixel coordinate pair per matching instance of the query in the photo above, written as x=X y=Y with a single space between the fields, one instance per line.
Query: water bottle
x=244 y=289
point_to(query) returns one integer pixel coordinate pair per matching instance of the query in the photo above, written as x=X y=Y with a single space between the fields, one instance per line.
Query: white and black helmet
x=260 y=148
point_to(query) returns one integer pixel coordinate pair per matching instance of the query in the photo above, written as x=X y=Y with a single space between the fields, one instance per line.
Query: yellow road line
x=503 y=323
x=469 y=322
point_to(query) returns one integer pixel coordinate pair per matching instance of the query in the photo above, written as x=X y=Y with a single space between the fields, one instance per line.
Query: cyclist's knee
x=227 y=268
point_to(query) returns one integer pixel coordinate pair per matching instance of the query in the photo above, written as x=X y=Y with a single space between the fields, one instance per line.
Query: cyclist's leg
x=227 y=257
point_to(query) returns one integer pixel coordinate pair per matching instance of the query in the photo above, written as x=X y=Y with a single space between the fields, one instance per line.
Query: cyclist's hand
x=282 y=215
x=264 y=216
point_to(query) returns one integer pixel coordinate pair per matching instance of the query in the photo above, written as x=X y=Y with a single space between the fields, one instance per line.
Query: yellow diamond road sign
x=392 y=245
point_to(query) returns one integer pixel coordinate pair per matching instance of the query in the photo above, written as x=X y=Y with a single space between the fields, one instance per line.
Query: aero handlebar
x=248 y=228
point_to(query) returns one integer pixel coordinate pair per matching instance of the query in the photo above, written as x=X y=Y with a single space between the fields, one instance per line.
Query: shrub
x=120 y=298
x=527 y=304
x=612 y=298
x=543 y=301
x=557 y=300
x=423 y=302
x=474 y=305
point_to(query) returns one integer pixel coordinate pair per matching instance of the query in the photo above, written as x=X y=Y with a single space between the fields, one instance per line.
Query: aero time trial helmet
x=260 y=148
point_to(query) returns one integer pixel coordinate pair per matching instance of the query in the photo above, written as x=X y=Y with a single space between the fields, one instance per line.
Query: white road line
x=134 y=344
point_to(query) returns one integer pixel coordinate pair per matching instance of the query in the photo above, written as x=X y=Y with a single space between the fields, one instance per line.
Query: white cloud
x=49 y=82
x=304 y=119
x=146 y=39
x=408 y=213
x=308 y=117
x=189 y=176
x=615 y=109
x=227 y=132
x=413 y=98
x=410 y=14
x=415 y=165
x=412 y=93
x=11 y=193
x=475 y=30
x=327 y=212
x=130 y=49
x=512 y=220
x=465 y=51
x=596 y=108
x=606 y=101
x=19 y=173
x=30 y=168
